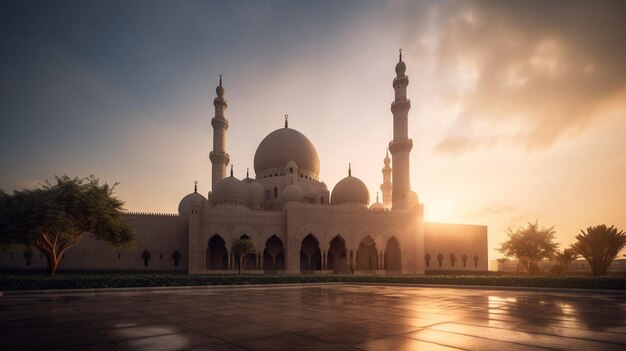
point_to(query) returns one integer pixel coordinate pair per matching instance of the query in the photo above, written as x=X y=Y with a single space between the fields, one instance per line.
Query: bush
x=10 y=282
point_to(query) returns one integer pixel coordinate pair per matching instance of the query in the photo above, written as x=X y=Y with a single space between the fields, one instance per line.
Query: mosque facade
x=297 y=224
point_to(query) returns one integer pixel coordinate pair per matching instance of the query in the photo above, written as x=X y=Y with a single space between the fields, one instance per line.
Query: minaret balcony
x=218 y=122
x=219 y=157
x=400 y=145
x=400 y=80
x=400 y=105
x=220 y=102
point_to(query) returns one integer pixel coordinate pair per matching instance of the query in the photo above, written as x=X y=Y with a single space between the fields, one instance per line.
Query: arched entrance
x=250 y=263
x=337 y=259
x=216 y=254
x=310 y=254
x=274 y=254
x=367 y=255
x=393 y=257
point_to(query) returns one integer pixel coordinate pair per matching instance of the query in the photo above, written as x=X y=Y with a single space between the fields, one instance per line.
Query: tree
x=600 y=245
x=244 y=248
x=529 y=245
x=54 y=217
x=565 y=257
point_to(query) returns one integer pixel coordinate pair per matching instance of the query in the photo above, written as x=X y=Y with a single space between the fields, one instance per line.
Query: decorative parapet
x=133 y=213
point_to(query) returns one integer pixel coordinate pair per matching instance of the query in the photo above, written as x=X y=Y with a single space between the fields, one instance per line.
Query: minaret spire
x=231 y=170
x=349 y=169
x=219 y=158
x=195 y=186
x=386 y=187
x=286 y=120
x=401 y=145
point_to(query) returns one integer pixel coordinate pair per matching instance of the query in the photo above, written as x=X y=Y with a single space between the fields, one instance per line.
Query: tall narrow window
x=146 y=257
x=427 y=257
x=176 y=257
x=275 y=192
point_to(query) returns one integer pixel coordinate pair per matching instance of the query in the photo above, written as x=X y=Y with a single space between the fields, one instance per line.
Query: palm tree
x=600 y=245
x=565 y=257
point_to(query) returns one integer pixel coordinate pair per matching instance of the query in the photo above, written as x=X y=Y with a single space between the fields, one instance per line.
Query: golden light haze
x=518 y=113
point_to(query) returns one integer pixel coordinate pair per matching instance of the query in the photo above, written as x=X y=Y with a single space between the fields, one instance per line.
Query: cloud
x=534 y=72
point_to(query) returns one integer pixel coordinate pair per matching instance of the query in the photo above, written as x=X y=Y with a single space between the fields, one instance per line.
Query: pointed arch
x=367 y=255
x=337 y=258
x=310 y=254
x=393 y=255
x=216 y=253
x=274 y=254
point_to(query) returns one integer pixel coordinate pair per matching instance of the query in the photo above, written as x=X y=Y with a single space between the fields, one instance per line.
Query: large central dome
x=284 y=145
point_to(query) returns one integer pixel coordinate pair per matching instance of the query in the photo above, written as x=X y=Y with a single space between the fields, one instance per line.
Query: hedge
x=89 y=281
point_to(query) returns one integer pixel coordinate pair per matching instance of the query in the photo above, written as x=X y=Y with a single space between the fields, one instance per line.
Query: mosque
x=296 y=223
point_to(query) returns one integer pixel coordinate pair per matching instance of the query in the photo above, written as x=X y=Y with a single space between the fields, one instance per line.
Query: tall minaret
x=385 y=187
x=219 y=158
x=401 y=145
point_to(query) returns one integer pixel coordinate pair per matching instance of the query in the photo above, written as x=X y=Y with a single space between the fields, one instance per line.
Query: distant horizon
x=518 y=109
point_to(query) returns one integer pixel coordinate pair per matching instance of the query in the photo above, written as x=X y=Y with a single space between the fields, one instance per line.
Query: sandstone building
x=297 y=224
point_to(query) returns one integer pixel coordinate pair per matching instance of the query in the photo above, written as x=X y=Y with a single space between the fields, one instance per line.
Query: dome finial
x=231 y=170
x=377 y=196
x=195 y=186
x=221 y=75
x=247 y=172
x=349 y=170
x=286 y=124
x=400 y=55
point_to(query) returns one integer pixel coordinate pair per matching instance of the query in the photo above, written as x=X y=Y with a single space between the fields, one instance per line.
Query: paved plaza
x=315 y=317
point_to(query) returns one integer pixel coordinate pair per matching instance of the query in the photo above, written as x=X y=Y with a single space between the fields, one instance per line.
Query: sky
x=518 y=108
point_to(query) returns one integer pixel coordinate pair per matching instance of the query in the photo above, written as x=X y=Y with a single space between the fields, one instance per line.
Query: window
x=476 y=261
x=464 y=259
x=440 y=259
x=146 y=257
x=322 y=200
x=452 y=260
x=119 y=256
x=176 y=257
x=290 y=169
x=275 y=192
x=427 y=257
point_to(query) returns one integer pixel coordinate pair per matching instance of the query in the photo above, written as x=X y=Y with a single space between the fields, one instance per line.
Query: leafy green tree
x=244 y=249
x=54 y=217
x=565 y=257
x=529 y=245
x=600 y=245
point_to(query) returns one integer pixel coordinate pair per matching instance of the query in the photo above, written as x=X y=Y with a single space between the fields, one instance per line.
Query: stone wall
x=157 y=234
x=453 y=242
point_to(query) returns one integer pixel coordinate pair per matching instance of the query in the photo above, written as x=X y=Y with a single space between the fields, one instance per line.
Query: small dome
x=350 y=190
x=387 y=160
x=378 y=206
x=292 y=193
x=256 y=192
x=189 y=200
x=220 y=89
x=230 y=191
x=282 y=146
x=400 y=68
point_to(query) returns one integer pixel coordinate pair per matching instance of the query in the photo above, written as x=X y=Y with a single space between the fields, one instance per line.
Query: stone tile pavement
x=315 y=317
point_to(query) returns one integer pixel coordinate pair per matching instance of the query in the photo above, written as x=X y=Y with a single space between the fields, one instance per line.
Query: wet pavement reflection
x=316 y=317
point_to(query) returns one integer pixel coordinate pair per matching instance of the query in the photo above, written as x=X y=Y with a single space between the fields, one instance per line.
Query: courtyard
x=315 y=317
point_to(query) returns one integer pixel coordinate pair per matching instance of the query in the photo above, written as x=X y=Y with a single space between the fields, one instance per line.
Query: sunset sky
x=518 y=108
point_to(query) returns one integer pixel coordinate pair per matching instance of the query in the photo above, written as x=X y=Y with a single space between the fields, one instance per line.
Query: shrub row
x=90 y=281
